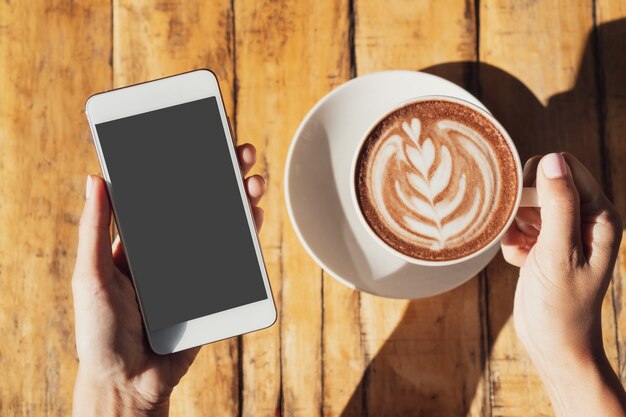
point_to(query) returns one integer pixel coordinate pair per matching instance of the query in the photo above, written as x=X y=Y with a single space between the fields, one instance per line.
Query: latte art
x=431 y=183
x=421 y=195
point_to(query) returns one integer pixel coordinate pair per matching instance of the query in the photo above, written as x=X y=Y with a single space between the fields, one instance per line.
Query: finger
x=258 y=214
x=514 y=246
x=560 y=207
x=181 y=361
x=528 y=220
x=119 y=256
x=601 y=223
x=93 y=260
x=591 y=194
x=530 y=170
x=255 y=188
x=246 y=155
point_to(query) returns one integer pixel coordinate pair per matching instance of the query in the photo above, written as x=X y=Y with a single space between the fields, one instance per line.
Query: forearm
x=584 y=387
x=92 y=398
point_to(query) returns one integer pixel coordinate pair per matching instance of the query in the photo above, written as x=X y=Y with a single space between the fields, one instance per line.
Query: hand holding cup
x=566 y=252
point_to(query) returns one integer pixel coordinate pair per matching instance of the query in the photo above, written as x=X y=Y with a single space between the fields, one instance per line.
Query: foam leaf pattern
x=440 y=202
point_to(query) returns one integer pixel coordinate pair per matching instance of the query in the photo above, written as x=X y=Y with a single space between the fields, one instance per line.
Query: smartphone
x=168 y=158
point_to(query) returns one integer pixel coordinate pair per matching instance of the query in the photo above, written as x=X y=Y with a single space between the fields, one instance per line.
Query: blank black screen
x=180 y=213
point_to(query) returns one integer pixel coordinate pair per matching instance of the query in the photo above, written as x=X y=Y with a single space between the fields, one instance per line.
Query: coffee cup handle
x=529 y=197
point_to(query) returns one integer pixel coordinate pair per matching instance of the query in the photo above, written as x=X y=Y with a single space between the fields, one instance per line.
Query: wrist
x=107 y=398
x=557 y=345
x=582 y=384
x=565 y=360
x=571 y=363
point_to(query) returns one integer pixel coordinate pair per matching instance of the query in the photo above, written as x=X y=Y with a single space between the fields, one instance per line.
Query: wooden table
x=553 y=72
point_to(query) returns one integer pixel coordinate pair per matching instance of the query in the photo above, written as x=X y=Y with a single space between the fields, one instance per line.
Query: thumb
x=94 y=258
x=560 y=207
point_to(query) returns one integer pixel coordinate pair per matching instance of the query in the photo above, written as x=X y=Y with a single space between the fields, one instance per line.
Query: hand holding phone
x=171 y=171
x=116 y=362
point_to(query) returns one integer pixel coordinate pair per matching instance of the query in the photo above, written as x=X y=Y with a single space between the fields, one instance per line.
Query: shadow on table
x=433 y=361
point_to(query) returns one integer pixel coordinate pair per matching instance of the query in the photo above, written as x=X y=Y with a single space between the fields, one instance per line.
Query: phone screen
x=180 y=213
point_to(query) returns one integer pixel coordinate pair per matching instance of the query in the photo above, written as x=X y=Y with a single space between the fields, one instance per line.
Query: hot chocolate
x=436 y=180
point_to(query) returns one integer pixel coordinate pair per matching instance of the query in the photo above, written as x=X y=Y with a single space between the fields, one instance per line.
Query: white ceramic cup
x=525 y=197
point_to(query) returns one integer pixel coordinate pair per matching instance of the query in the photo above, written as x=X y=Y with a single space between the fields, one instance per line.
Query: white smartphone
x=177 y=193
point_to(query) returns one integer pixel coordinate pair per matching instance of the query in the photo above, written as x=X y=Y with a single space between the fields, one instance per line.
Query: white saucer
x=317 y=190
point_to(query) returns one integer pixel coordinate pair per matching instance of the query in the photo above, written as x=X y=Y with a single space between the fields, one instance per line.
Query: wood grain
x=423 y=357
x=345 y=357
x=611 y=38
x=537 y=75
x=46 y=153
x=289 y=54
x=157 y=39
x=152 y=40
x=552 y=81
x=415 y=35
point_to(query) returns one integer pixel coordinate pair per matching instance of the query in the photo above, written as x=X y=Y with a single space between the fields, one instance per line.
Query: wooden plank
x=423 y=357
x=151 y=41
x=288 y=56
x=537 y=76
x=49 y=67
x=415 y=35
x=611 y=32
x=515 y=387
x=345 y=360
x=427 y=358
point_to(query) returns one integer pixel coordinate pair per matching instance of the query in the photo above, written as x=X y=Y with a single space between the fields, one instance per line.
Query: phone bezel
x=154 y=95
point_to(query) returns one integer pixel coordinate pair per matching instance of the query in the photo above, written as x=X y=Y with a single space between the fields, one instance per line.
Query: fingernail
x=554 y=166
x=88 y=186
